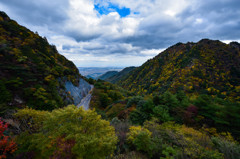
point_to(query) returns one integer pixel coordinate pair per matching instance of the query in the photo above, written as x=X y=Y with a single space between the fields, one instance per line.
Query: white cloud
x=152 y=52
x=90 y=39
x=228 y=41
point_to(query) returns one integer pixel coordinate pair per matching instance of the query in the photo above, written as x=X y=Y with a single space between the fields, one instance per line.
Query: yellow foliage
x=134 y=131
x=237 y=88
x=49 y=78
x=224 y=93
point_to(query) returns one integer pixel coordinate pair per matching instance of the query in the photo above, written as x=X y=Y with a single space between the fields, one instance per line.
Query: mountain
x=95 y=72
x=33 y=73
x=120 y=75
x=206 y=67
x=107 y=75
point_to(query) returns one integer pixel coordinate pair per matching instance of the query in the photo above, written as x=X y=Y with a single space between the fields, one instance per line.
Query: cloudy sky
x=124 y=32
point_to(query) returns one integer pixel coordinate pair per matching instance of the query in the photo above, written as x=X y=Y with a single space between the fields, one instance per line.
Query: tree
x=71 y=132
x=140 y=138
x=104 y=100
x=161 y=112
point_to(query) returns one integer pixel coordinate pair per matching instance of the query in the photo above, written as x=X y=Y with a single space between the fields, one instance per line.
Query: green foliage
x=114 y=110
x=104 y=100
x=219 y=113
x=143 y=142
x=140 y=138
x=84 y=131
x=115 y=95
x=138 y=101
x=169 y=152
x=137 y=117
x=203 y=110
x=161 y=112
x=105 y=94
x=170 y=100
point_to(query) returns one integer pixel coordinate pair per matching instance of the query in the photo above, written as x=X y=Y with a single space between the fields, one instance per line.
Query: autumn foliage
x=7 y=145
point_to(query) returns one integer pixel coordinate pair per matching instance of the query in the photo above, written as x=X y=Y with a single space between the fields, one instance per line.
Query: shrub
x=161 y=112
x=140 y=138
x=70 y=131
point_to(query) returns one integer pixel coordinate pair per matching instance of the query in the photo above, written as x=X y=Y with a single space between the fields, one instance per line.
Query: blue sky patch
x=123 y=12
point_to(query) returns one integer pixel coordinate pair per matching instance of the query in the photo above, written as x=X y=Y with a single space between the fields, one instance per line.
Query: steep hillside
x=120 y=75
x=107 y=75
x=32 y=72
x=210 y=67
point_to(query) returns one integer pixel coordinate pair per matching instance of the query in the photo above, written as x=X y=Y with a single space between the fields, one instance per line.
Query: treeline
x=201 y=111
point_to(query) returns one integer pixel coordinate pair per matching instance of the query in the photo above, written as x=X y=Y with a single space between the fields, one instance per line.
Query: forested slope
x=32 y=72
x=207 y=67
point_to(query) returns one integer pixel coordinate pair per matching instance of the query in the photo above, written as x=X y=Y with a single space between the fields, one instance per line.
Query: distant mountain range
x=107 y=75
x=114 y=77
x=94 y=72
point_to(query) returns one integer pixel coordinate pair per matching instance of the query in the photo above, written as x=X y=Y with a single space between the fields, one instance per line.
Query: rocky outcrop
x=77 y=92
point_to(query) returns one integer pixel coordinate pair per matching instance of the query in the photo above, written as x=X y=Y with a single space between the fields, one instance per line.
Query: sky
x=120 y=33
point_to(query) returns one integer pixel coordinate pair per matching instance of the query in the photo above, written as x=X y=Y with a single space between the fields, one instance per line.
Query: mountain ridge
x=203 y=67
x=120 y=75
x=107 y=75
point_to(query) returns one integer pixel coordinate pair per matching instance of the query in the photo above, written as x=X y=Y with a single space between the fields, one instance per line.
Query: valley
x=184 y=103
x=95 y=72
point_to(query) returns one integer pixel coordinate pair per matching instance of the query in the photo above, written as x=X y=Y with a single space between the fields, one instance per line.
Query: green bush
x=68 y=131
x=161 y=112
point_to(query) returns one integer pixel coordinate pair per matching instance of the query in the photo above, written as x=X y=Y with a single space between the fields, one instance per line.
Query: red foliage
x=7 y=145
x=190 y=114
x=193 y=110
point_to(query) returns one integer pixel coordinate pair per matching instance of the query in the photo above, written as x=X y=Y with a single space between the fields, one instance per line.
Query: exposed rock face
x=78 y=92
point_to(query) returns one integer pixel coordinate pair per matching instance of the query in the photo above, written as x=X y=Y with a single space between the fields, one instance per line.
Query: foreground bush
x=66 y=133
x=179 y=141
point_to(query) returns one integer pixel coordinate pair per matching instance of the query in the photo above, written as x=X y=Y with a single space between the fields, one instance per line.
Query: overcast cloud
x=124 y=32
